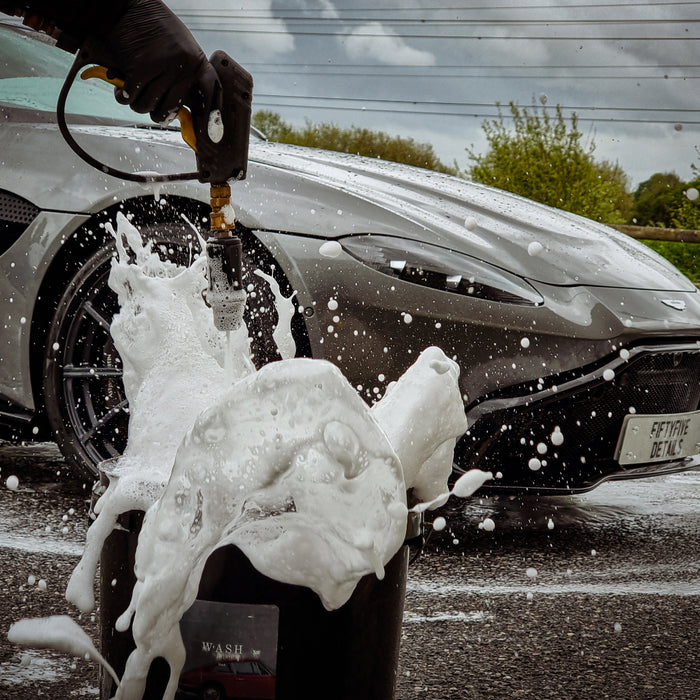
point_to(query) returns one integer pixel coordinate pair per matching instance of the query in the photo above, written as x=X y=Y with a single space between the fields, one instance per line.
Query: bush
x=364 y=142
x=544 y=159
x=685 y=256
x=662 y=201
x=687 y=213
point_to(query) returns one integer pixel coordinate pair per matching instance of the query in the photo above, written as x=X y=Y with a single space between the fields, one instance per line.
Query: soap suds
x=58 y=632
x=330 y=249
x=168 y=347
x=291 y=467
x=288 y=463
x=282 y=335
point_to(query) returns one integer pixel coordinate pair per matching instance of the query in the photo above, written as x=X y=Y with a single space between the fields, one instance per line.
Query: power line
x=285 y=70
x=518 y=6
x=460 y=66
x=479 y=37
x=505 y=71
x=468 y=114
x=442 y=103
x=321 y=21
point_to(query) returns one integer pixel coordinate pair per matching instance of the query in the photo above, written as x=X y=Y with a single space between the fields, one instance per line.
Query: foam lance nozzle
x=225 y=294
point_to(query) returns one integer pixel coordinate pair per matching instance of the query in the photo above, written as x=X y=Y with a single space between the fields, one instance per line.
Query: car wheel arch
x=77 y=247
x=82 y=247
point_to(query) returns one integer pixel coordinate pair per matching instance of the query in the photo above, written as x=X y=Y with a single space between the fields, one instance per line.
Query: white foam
x=282 y=335
x=288 y=463
x=39 y=545
x=58 y=632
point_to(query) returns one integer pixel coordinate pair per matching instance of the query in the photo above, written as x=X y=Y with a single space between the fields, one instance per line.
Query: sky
x=434 y=70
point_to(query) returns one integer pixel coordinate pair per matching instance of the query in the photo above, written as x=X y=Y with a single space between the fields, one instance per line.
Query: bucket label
x=231 y=648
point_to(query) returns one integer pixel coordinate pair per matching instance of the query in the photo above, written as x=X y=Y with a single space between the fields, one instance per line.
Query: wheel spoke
x=101 y=423
x=96 y=316
x=84 y=393
x=88 y=372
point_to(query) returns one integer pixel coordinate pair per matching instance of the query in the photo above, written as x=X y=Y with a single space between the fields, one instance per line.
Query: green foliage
x=271 y=124
x=375 y=144
x=656 y=199
x=687 y=213
x=662 y=201
x=543 y=158
x=685 y=256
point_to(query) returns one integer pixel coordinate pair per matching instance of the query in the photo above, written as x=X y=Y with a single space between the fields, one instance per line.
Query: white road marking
x=486 y=588
x=40 y=545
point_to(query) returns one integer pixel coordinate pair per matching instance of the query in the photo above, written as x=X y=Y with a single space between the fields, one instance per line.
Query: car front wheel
x=84 y=398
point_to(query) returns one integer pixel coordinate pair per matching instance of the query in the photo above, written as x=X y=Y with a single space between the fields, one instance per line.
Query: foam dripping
x=288 y=463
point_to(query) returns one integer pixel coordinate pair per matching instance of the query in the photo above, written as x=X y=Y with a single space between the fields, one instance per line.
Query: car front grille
x=588 y=409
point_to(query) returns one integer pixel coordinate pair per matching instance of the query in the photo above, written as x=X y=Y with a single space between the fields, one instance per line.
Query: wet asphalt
x=612 y=611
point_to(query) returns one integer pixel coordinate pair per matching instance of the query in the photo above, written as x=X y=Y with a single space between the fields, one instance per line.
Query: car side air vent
x=16 y=214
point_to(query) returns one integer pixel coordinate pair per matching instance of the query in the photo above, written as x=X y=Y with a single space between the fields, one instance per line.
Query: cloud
x=253 y=22
x=328 y=9
x=615 y=85
x=373 y=40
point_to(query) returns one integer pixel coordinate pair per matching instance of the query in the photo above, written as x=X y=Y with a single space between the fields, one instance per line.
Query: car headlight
x=440 y=268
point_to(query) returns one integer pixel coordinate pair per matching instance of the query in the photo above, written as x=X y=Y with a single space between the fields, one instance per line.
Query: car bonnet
x=328 y=194
x=336 y=194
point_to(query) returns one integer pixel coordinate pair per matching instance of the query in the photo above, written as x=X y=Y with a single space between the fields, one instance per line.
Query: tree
x=687 y=213
x=663 y=201
x=668 y=202
x=656 y=199
x=271 y=124
x=375 y=144
x=543 y=158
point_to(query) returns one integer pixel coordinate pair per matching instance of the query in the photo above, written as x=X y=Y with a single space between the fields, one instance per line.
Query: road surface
x=593 y=596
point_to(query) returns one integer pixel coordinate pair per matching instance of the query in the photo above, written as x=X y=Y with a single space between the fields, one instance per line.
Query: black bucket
x=250 y=636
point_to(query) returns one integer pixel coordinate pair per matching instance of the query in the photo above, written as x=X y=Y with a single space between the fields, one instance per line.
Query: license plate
x=658 y=438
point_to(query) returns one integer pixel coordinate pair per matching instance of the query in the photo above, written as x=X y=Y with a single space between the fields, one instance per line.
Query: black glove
x=162 y=65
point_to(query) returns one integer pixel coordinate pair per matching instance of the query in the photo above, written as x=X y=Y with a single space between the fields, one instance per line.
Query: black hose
x=79 y=63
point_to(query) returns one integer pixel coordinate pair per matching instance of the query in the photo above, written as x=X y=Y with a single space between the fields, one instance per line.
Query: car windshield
x=32 y=71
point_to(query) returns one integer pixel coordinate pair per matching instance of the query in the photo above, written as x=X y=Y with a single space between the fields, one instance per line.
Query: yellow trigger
x=187 y=128
x=101 y=73
x=184 y=115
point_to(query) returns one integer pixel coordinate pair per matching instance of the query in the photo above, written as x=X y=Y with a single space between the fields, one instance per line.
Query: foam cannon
x=222 y=155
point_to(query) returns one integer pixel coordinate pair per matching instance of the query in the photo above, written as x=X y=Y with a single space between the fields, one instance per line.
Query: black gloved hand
x=162 y=65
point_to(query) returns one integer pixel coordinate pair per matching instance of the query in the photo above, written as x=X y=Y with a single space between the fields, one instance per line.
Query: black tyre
x=84 y=397
x=212 y=691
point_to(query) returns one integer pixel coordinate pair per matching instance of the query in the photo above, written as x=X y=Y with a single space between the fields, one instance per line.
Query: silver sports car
x=579 y=347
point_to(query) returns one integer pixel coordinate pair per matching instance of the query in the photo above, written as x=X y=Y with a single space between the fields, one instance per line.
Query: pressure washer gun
x=222 y=154
x=221 y=144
